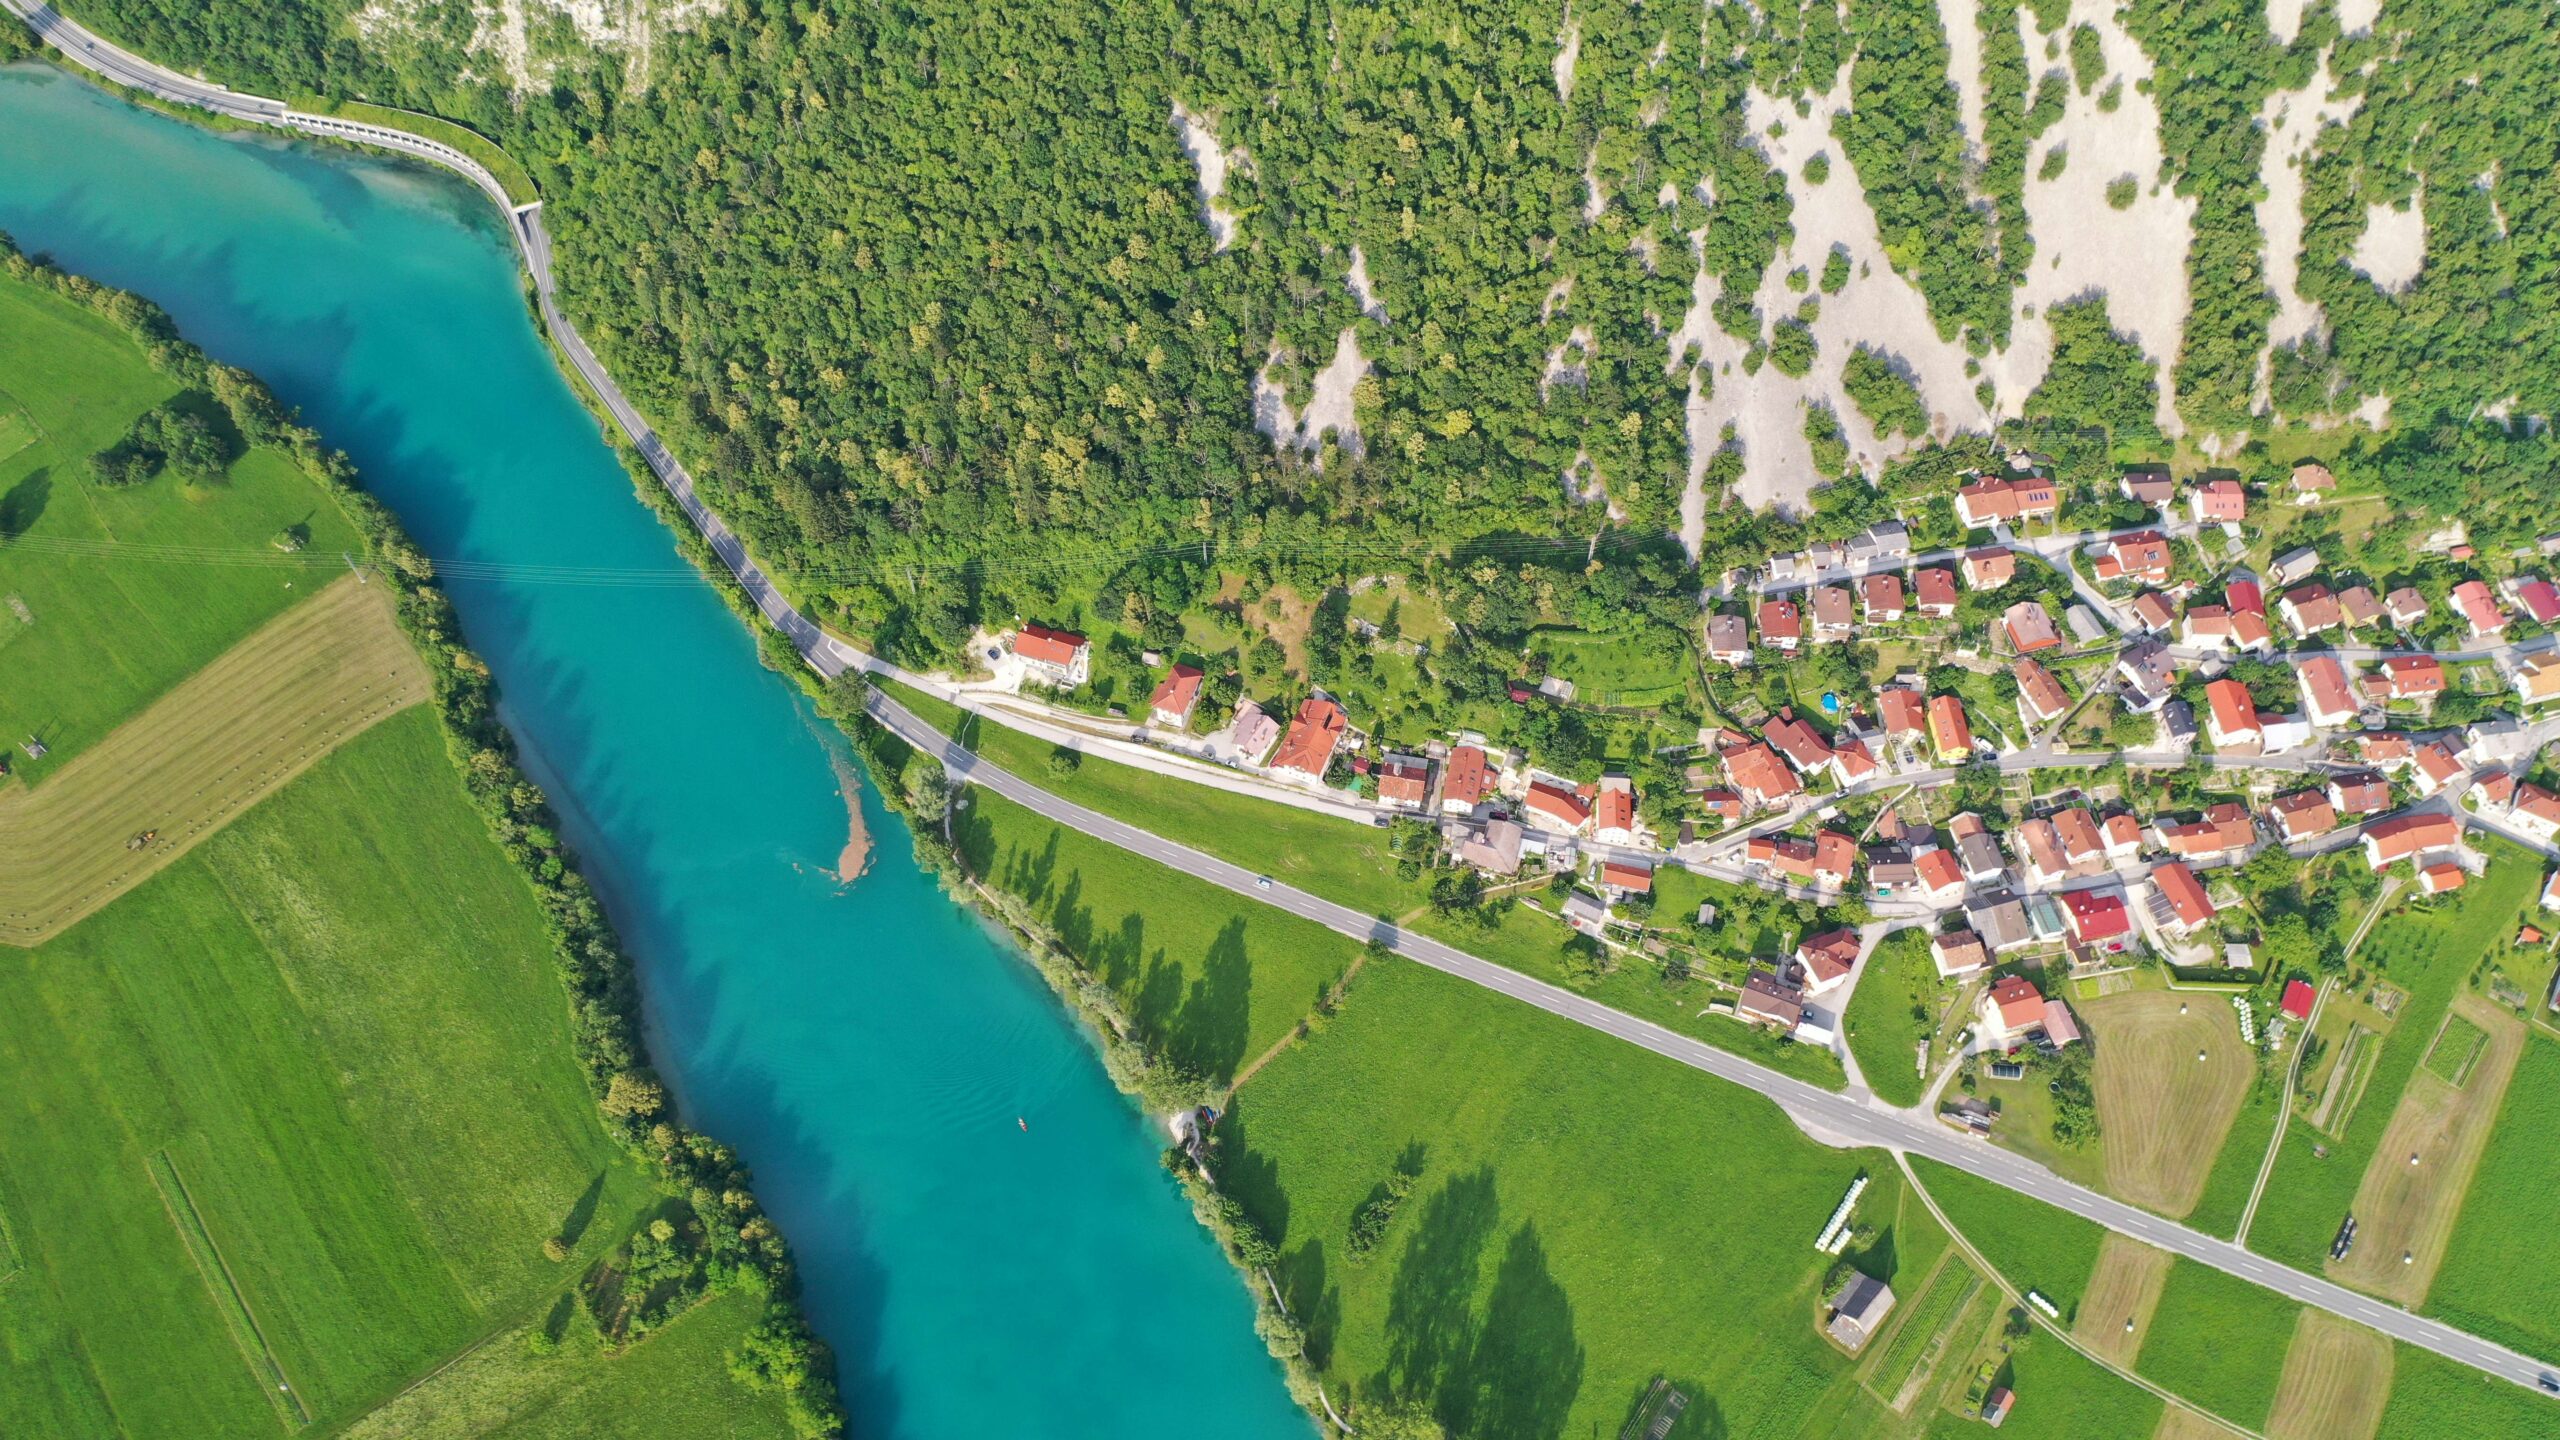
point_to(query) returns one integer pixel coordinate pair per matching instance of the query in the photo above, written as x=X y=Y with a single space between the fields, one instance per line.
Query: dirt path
x=307 y=682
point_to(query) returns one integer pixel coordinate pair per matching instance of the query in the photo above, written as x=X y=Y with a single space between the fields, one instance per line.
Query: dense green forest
x=925 y=294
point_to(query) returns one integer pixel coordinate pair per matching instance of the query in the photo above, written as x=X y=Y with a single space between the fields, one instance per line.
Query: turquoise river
x=868 y=1047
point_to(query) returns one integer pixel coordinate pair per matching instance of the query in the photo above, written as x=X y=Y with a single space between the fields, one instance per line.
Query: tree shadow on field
x=24 y=504
x=1526 y=1366
x=1431 y=1326
x=1877 y=1259
x=583 y=1212
x=1208 y=1034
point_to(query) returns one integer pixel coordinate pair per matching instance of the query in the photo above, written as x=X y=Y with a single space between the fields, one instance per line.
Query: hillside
x=1333 y=287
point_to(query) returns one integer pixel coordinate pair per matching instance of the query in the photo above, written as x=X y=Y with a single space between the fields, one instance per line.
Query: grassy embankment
x=305 y=1102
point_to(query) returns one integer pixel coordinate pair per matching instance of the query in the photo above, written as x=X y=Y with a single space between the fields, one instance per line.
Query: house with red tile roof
x=2148 y=487
x=2309 y=610
x=2083 y=848
x=1626 y=877
x=1558 y=804
x=1313 y=736
x=2537 y=679
x=1935 y=592
x=1948 y=730
x=2360 y=606
x=2041 y=698
x=2412 y=677
x=1781 y=625
x=2226 y=829
x=1904 y=710
x=2359 y=792
x=2189 y=905
x=1761 y=777
x=2479 y=609
x=2303 y=814
x=2387 y=749
x=1958 y=953
x=1174 y=697
x=1404 y=781
x=2039 y=852
x=2244 y=597
x=1058 y=658
x=2311 y=481
x=2214 y=627
x=1990 y=567
x=1803 y=745
x=2030 y=627
x=2326 y=697
x=2152 y=612
x=2232 y=720
x=1835 y=859
x=1880 y=598
x=2388 y=842
x=1613 y=811
x=2142 y=555
x=2406 y=606
x=1853 y=760
x=2537 y=599
x=2298 y=999
x=1466 y=780
x=2218 y=502
x=2536 y=811
x=1833 y=618
x=2097 y=917
x=1789 y=856
x=1987 y=503
x=1941 y=877
x=1827 y=959
x=2437 y=878
x=2121 y=833
x=2437 y=765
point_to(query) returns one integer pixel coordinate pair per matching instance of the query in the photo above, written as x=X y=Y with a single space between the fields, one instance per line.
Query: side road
x=1837 y=1115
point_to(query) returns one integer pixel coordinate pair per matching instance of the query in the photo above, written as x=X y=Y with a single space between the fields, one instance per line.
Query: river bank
x=865 y=1048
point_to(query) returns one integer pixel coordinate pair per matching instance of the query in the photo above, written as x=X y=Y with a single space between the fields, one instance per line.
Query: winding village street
x=1854 y=1118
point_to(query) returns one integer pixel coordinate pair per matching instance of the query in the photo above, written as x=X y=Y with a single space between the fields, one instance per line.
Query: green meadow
x=2498 y=1275
x=89 y=635
x=2219 y=1341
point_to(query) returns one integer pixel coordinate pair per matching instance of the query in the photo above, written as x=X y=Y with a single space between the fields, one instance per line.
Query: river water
x=868 y=1047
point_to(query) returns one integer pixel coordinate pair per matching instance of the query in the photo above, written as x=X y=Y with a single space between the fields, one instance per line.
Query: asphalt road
x=1838 y=1116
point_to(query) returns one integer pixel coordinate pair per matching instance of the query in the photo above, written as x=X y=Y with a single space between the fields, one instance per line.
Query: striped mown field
x=300 y=686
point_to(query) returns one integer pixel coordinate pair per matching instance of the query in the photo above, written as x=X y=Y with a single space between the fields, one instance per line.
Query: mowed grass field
x=2433 y=1398
x=306 y=682
x=2123 y=1292
x=87 y=637
x=1211 y=978
x=2162 y=1112
x=2423 y=1166
x=1588 y=1216
x=2428 y=955
x=2219 y=1341
x=338 y=1022
x=2500 y=1275
x=2337 y=1377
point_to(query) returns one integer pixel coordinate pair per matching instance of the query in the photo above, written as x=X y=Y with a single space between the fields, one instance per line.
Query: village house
x=1861 y=1311
x=1060 y=659
x=1493 y=847
x=2537 y=680
x=2409 y=677
x=1934 y=591
x=2097 y=917
x=2148 y=674
x=1759 y=775
x=2493 y=788
x=1987 y=503
x=2218 y=502
x=1767 y=1000
x=1253 y=732
x=2152 y=612
x=2142 y=555
x=2479 y=610
x=2435 y=766
x=2302 y=815
x=2242 y=595
x=2536 y=811
x=1803 y=745
x=1586 y=915
x=2013 y=1013
x=1853 y=760
x=2181 y=895
x=2041 y=698
x=2294 y=565
x=1890 y=873
x=1625 y=877
x=2121 y=834
x=2311 y=481
x=1823 y=962
x=2387 y=842
x=2177 y=725
x=1789 y=857
x=1990 y=567
x=2387 y=750
x=1938 y=877
x=1835 y=859
x=2084 y=850
x=2232 y=719
x=1313 y=736
x=1948 y=730
x=1465 y=780
x=1958 y=953
x=2537 y=598
x=1174 y=697
x=1833 y=618
x=2436 y=877
x=1613 y=811
x=1880 y=598
x=2327 y=699
x=2358 y=605
x=2358 y=792
x=1781 y=626
x=1404 y=781
x=1976 y=850
x=2219 y=628
x=2225 y=830
x=1728 y=640
x=2149 y=487
x=2406 y=606
x=2000 y=919
x=2309 y=610
x=2039 y=852
x=1904 y=712
x=1559 y=804
x=2029 y=627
